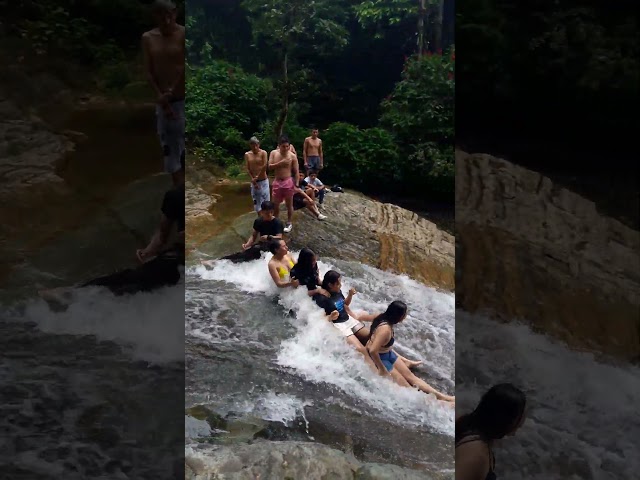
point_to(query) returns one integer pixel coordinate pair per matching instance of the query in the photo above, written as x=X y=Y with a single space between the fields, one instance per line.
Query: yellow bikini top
x=283 y=272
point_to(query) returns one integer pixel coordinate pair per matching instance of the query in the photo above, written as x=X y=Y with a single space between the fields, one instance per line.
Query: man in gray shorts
x=312 y=152
x=164 y=56
x=256 y=162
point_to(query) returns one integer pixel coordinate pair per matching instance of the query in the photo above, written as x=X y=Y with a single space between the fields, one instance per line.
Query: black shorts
x=298 y=201
x=248 y=255
x=159 y=272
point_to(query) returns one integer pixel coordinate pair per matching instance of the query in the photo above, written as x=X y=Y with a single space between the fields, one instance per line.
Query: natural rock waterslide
x=531 y=250
x=358 y=229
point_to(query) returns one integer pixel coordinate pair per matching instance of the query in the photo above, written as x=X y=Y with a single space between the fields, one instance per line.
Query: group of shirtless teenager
x=289 y=185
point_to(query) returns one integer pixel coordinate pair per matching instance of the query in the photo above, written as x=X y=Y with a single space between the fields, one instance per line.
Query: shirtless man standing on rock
x=164 y=56
x=285 y=164
x=312 y=152
x=256 y=162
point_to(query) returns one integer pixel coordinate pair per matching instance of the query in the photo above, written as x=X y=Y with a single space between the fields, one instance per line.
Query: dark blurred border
x=95 y=390
x=547 y=213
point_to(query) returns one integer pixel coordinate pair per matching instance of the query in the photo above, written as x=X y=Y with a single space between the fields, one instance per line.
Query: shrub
x=365 y=159
x=225 y=106
x=420 y=114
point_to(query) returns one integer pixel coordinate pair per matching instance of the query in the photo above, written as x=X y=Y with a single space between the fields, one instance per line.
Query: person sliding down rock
x=159 y=260
x=265 y=229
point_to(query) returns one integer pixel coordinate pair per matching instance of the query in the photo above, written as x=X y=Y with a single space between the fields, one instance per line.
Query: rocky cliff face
x=528 y=249
x=357 y=229
x=379 y=234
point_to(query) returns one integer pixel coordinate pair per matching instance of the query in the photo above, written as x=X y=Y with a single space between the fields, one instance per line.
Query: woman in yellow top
x=281 y=264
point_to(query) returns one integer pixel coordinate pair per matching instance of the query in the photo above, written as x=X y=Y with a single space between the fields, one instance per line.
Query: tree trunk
x=284 y=111
x=437 y=27
x=421 y=13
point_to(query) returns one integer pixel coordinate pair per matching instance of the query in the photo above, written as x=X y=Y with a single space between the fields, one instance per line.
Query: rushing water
x=253 y=351
x=94 y=390
x=583 y=419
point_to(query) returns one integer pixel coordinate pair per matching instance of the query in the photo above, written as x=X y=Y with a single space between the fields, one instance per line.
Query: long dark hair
x=500 y=410
x=394 y=314
x=274 y=245
x=305 y=266
x=330 y=277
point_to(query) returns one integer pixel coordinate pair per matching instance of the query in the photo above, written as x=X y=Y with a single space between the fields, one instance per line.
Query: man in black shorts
x=265 y=228
x=160 y=260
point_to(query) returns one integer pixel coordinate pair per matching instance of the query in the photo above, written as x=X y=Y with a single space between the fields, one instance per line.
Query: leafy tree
x=365 y=159
x=394 y=12
x=420 y=113
x=225 y=106
x=286 y=24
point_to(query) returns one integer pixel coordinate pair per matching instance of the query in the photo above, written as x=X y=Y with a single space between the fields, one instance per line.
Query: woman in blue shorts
x=380 y=345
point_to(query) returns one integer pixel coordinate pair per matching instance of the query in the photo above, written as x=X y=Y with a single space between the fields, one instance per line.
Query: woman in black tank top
x=500 y=413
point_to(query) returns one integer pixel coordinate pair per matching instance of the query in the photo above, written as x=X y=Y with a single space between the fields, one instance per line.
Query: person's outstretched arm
x=304 y=152
x=158 y=240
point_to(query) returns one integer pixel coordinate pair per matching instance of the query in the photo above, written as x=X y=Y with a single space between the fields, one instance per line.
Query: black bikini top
x=391 y=342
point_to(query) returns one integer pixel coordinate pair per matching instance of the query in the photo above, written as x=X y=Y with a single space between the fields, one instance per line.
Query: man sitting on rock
x=301 y=199
x=265 y=229
x=159 y=261
x=316 y=186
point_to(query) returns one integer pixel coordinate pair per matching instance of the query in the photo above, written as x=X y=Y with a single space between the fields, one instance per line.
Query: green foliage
x=292 y=129
x=289 y=26
x=114 y=76
x=284 y=24
x=390 y=12
x=365 y=159
x=234 y=170
x=225 y=106
x=569 y=63
x=98 y=36
x=410 y=150
x=420 y=114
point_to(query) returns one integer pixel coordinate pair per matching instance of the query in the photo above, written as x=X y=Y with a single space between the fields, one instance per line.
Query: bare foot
x=413 y=363
x=448 y=403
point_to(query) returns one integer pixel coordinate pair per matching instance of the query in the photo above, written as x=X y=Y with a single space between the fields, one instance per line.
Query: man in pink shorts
x=285 y=164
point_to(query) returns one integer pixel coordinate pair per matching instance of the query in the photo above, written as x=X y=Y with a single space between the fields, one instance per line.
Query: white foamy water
x=318 y=353
x=584 y=415
x=150 y=325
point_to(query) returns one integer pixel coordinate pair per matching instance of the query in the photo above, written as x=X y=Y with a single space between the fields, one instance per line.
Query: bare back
x=164 y=57
x=381 y=336
x=282 y=164
x=257 y=164
x=312 y=146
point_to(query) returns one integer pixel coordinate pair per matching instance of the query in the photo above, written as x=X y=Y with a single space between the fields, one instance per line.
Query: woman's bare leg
x=355 y=343
x=363 y=335
x=421 y=384
x=398 y=378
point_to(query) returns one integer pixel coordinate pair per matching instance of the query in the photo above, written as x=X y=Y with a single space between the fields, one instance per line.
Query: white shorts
x=349 y=327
